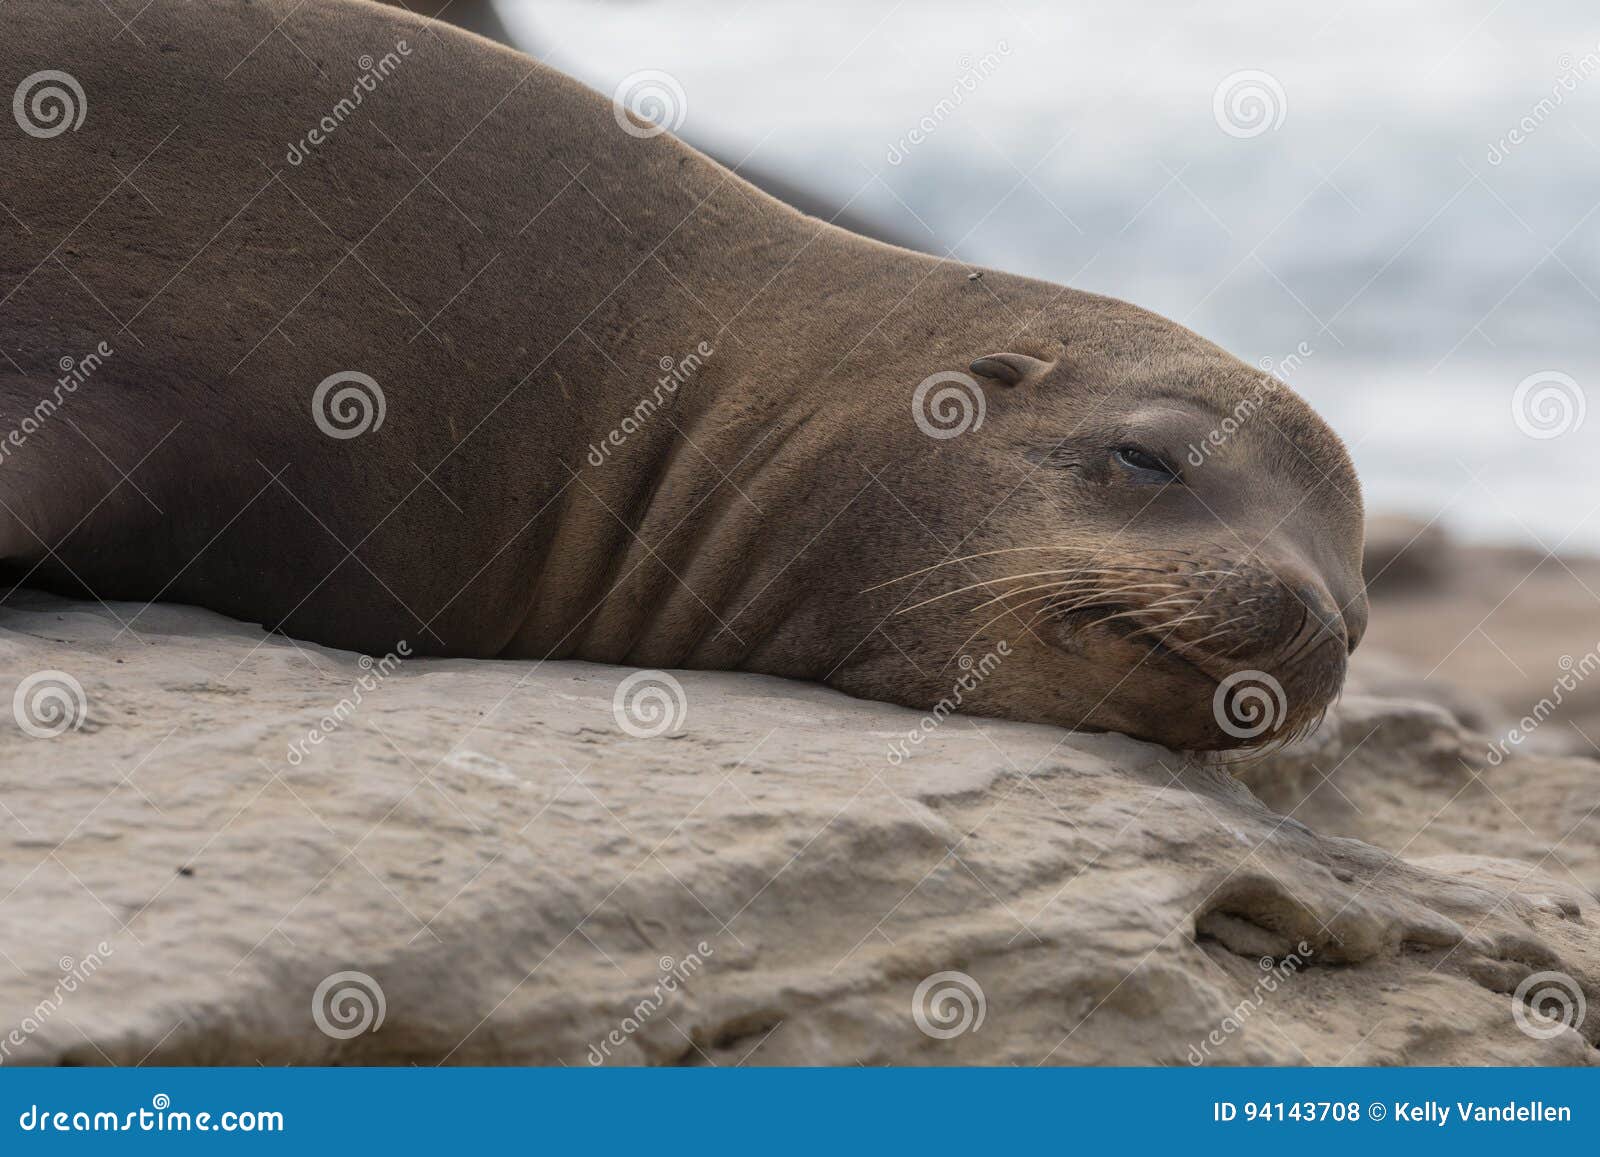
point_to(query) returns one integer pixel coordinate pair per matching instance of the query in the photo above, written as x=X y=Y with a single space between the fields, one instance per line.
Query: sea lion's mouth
x=1116 y=620
x=1168 y=691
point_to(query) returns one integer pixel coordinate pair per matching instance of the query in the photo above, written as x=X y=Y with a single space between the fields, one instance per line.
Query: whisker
x=985 y=583
x=969 y=558
x=1064 y=585
x=1092 y=551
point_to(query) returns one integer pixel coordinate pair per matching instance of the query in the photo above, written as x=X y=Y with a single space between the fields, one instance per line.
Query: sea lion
x=330 y=318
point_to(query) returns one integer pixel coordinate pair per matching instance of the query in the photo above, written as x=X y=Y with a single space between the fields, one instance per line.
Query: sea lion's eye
x=1143 y=462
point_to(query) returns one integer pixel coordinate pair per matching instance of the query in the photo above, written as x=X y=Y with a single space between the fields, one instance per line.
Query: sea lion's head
x=1163 y=540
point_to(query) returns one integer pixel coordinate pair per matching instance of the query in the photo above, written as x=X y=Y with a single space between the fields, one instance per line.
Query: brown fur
x=512 y=268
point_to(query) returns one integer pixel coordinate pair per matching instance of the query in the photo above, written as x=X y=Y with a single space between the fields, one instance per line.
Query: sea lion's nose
x=1355 y=619
x=1326 y=618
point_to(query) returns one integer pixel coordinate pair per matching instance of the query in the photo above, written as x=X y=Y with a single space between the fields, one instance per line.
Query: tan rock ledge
x=507 y=876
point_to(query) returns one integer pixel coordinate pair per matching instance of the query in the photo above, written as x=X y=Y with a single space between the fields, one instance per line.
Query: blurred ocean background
x=1367 y=199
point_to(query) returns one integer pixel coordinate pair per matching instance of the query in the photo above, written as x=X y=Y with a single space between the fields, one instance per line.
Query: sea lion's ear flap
x=1008 y=369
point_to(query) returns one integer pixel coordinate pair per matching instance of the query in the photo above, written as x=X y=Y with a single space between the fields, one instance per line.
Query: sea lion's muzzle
x=1204 y=655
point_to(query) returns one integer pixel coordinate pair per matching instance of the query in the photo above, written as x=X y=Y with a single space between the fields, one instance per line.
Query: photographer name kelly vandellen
x=1463 y=1112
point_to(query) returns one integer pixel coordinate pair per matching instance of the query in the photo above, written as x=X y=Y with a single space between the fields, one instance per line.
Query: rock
x=1403 y=552
x=261 y=851
x=1379 y=675
x=1408 y=777
x=1497 y=634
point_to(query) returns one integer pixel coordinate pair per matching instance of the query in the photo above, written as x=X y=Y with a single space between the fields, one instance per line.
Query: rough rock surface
x=486 y=844
x=1495 y=634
